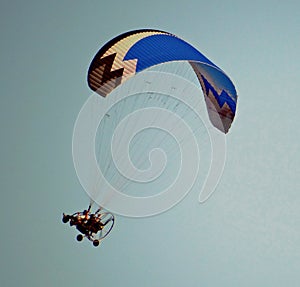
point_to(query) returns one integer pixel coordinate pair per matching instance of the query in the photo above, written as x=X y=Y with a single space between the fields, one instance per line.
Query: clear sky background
x=246 y=234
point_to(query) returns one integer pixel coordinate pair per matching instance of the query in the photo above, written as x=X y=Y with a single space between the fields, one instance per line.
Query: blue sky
x=246 y=234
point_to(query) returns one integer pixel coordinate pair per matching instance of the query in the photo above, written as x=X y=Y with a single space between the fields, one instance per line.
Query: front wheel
x=79 y=237
x=96 y=242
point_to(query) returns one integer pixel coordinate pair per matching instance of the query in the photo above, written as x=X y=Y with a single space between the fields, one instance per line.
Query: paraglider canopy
x=135 y=51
